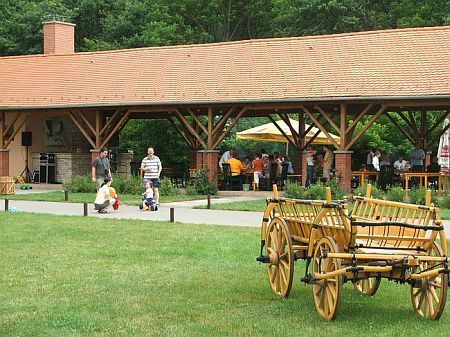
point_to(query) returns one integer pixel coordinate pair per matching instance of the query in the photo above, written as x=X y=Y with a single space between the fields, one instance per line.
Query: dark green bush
x=376 y=193
x=315 y=192
x=395 y=193
x=84 y=184
x=166 y=187
x=417 y=196
x=445 y=201
x=190 y=190
x=202 y=185
x=293 y=190
x=337 y=192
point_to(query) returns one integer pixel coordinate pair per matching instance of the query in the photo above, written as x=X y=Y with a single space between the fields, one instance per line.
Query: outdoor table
x=445 y=176
x=423 y=176
x=363 y=175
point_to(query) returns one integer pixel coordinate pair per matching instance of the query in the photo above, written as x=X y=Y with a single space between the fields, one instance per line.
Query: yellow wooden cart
x=380 y=239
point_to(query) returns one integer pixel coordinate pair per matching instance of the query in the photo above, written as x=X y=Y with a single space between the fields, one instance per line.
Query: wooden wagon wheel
x=327 y=292
x=280 y=269
x=428 y=299
x=367 y=286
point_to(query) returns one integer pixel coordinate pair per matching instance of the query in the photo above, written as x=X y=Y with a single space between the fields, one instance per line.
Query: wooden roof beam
x=282 y=132
x=315 y=121
x=228 y=129
x=83 y=131
x=369 y=124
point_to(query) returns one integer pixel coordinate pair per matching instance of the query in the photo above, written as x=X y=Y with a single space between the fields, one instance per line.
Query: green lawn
x=76 y=276
x=128 y=199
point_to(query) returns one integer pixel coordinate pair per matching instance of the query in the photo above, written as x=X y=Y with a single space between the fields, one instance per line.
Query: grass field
x=127 y=199
x=74 y=276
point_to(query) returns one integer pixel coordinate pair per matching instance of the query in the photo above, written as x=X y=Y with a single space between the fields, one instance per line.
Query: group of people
x=375 y=161
x=325 y=162
x=102 y=177
x=260 y=164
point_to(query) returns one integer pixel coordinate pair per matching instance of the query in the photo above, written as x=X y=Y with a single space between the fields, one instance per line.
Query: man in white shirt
x=376 y=161
x=225 y=157
x=400 y=163
x=151 y=166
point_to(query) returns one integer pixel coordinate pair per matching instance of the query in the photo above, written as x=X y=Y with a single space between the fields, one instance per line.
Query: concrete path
x=183 y=212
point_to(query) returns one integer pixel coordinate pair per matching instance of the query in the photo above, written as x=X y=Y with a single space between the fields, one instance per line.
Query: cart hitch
x=263 y=259
x=308 y=279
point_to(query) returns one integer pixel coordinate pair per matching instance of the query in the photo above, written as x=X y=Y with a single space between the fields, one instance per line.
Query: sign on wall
x=57 y=136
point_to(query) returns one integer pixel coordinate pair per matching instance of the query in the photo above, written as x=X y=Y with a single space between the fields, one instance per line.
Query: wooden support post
x=85 y=209
x=66 y=195
x=172 y=214
x=6 y=204
x=428 y=197
x=208 y=205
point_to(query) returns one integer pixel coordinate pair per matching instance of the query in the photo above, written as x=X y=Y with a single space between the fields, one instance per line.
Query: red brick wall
x=58 y=37
x=343 y=168
x=4 y=163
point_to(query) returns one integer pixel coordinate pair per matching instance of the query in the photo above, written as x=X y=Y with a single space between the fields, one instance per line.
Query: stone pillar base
x=124 y=164
x=299 y=166
x=195 y=159
x=4 y=162
x=343 y=168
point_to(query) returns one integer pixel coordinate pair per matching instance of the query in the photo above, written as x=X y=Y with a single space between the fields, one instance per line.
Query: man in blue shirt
x=417 y=156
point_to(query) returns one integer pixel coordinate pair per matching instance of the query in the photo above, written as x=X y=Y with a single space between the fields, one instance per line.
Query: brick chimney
x=58 y=37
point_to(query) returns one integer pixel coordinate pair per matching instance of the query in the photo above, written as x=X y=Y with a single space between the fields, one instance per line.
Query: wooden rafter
x=228 y=129
x=413 y=122
x=183 y=134
x=294 y=133
x=274 y=122
x=411 y=125
x=320 y=126
x=16 y=130
x=328 y=118
x=400 y=128
x=352 y=126
x=110 y=121
x=436 y=124
x=189 y=127
x=118 y=126
x=301 y=129
x=86 y=122
x=220 y=124
x=197 y=121
x=311 y=139
x=82 y=130
x=369 y=124
x=8 y=128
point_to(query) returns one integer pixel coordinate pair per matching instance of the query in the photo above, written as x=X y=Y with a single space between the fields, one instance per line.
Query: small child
x=148 y=200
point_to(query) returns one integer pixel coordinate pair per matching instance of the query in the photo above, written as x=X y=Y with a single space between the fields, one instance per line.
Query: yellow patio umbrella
x=270 y=133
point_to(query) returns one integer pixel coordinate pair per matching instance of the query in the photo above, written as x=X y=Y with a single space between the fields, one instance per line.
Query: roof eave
x=231 y=102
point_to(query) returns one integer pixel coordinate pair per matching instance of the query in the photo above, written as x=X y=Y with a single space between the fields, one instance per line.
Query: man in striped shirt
x=151 y=166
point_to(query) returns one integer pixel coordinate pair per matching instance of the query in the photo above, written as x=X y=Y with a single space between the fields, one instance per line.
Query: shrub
x=395 y=193
x=167 y=188
x=361 y=190
x=315 y=192
x=417 y=196
x=203 y=185
x=81 y=184
x=337 y=192
x=190 y=190
x=445 y=201
x=293 y=190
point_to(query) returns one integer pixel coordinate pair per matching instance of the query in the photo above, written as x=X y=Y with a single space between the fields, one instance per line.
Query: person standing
x=327 y=163
x=376 y=161
x=101 y=168
x=151 y=166
x=309 y=166
x=369 y=160
x=258 y=165
x=417 y=156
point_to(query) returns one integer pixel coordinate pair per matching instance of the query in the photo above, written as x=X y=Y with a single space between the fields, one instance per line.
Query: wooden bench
x=380 y=239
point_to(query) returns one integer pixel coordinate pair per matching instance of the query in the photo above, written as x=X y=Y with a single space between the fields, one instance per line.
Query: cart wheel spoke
x=327 y=295
x=429 y=298
x=279 y=249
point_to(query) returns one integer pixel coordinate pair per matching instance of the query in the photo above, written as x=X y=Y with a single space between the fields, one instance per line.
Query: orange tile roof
x=406 y=62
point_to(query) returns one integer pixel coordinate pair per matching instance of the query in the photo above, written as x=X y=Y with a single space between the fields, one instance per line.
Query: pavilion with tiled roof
x=333 y=80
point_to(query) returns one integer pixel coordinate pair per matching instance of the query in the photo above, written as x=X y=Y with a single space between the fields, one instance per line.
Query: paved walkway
x=183 y=212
